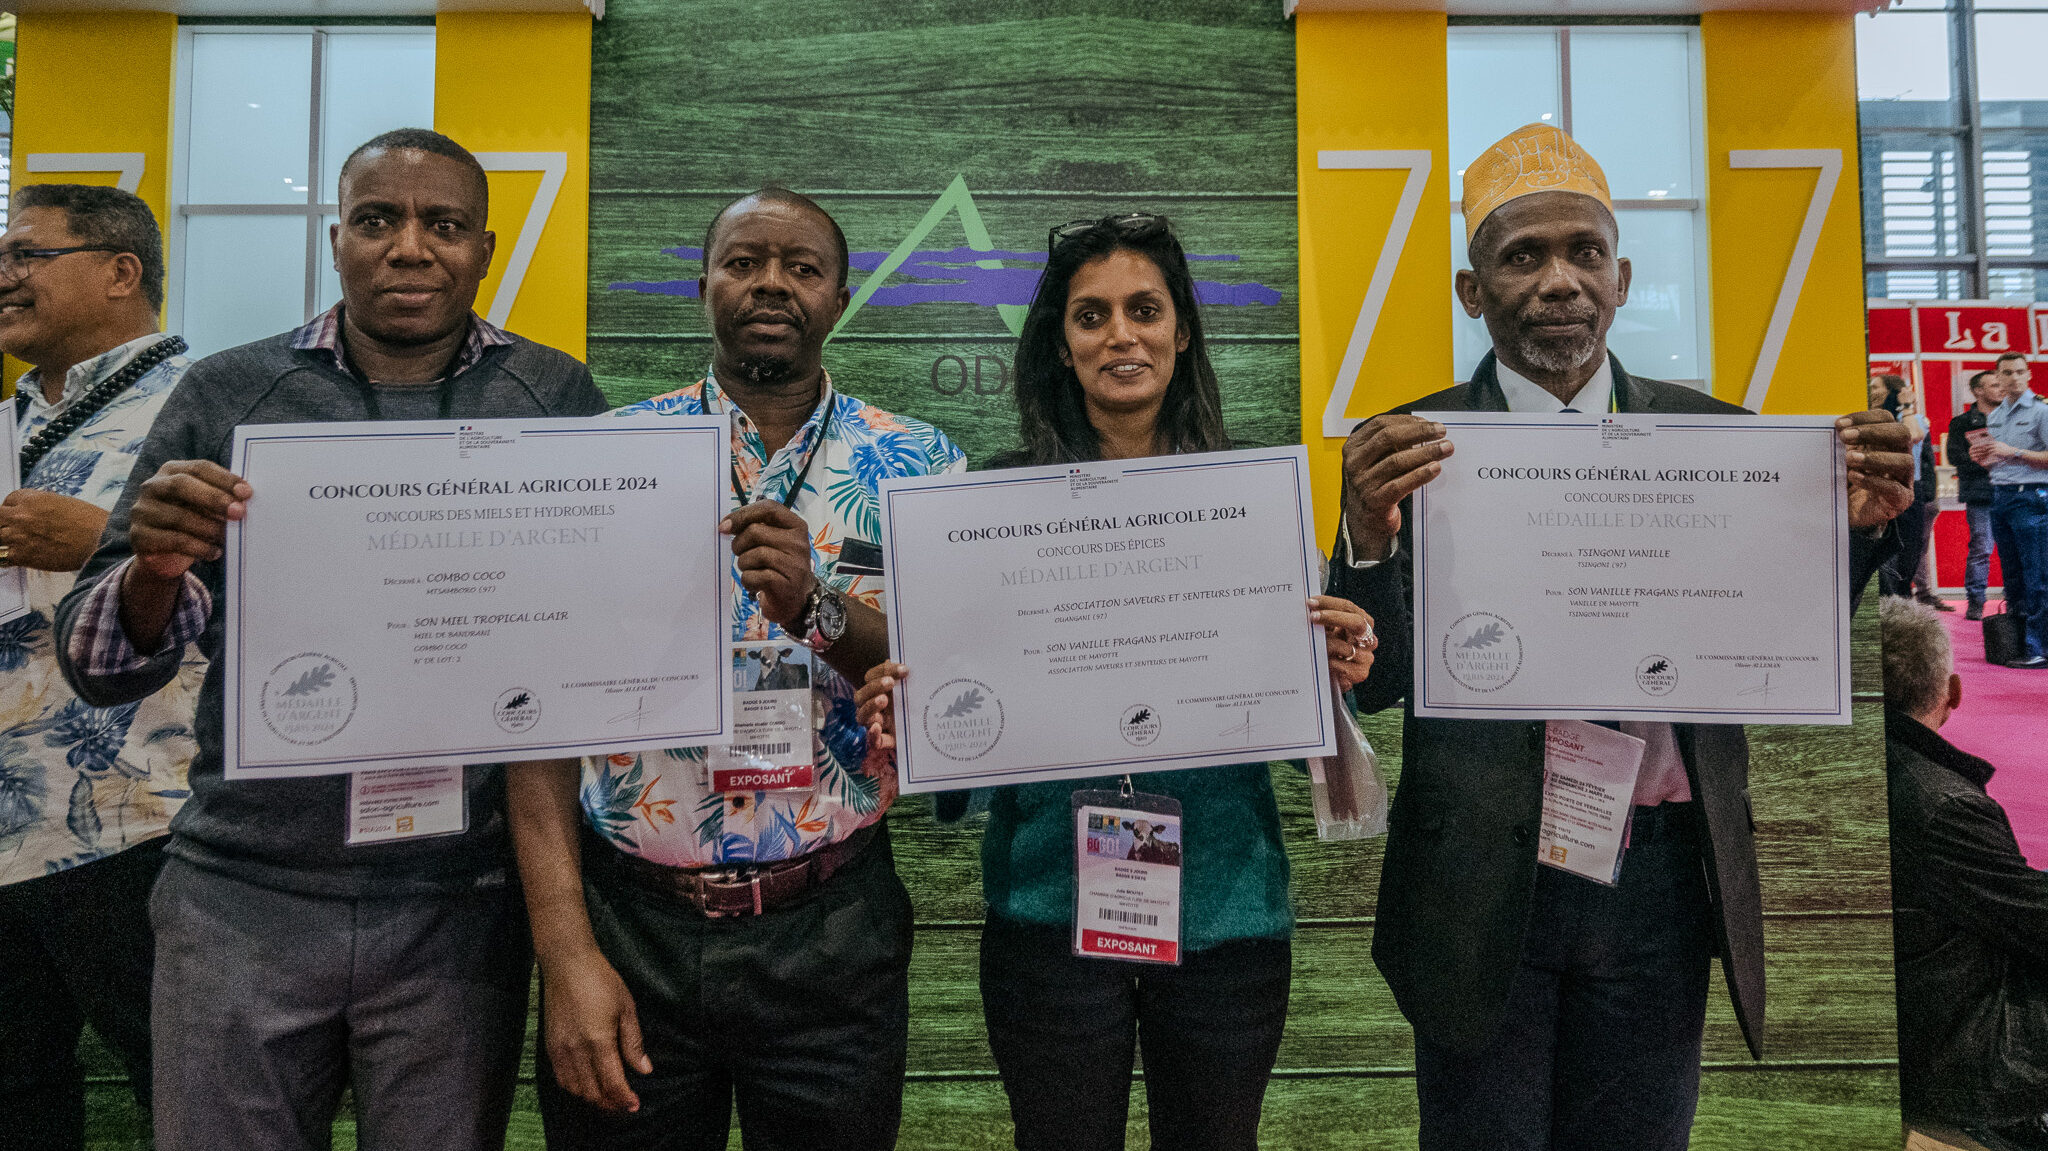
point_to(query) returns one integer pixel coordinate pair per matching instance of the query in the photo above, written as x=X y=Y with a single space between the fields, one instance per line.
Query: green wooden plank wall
x=1042 y=111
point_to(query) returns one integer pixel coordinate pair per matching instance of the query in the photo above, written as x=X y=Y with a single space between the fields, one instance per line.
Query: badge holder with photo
x=1127 y=872
x=772 y=720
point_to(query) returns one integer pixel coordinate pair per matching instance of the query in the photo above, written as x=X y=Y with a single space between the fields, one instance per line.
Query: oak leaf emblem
x=969 y=701
x=517 y=701
x=314 y=680
x=1660 y=666
x=1486 y=636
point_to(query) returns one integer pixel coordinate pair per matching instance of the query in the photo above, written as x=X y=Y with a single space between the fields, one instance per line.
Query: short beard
x=1558 y=356
x=767 y=370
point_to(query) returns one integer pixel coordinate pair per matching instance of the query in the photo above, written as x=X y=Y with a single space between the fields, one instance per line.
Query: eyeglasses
x=15 y=262
x=1128 y=226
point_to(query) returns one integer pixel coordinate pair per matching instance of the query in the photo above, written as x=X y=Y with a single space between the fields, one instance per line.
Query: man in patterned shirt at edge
x=290 y=963
x=749 y=943
x=86 y=794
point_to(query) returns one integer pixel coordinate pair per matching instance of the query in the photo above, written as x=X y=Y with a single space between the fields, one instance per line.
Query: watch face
x=831 y=616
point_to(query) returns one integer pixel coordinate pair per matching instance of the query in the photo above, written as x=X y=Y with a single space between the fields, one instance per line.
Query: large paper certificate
x=434 y=592
x=1090 y=619
x=1648 y=567
x=13 y=580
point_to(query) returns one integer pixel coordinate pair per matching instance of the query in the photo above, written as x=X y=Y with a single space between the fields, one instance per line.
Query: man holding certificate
x=724 y=924
x=291 y=960
x=1563 y=1006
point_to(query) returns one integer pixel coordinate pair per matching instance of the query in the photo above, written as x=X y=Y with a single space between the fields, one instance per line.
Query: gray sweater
x=290 y=833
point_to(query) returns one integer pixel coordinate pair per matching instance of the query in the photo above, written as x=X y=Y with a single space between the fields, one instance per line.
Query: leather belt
x=746 y=889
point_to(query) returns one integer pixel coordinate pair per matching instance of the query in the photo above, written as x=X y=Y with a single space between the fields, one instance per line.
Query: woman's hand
x=872 y=704
x=1348 y=636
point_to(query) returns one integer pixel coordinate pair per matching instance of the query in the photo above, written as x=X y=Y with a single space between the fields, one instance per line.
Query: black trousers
x=75 y=948
x=1064 y=1029
x=1599 y=1048
x=800 y=1015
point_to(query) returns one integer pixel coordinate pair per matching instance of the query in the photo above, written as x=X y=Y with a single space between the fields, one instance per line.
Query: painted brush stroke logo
x=978 y=274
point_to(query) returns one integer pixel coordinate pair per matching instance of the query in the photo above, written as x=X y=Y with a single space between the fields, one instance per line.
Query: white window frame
x=1697 y=205
x=181 y=209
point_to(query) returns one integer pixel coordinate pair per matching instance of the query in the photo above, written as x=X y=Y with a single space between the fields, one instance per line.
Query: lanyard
x=739 y=490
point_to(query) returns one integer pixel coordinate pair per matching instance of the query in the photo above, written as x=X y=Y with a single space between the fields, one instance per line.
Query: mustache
x=1581 y=315
x=784 y=314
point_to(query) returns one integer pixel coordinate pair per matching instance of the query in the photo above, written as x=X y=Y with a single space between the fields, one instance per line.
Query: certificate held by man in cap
x=1688 y=568
x=408 y=594
x=1082 y=620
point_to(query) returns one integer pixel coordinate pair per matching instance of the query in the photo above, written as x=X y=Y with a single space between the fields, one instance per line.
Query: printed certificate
x=436 y=592
x=1093 y=619
x=1690 y=568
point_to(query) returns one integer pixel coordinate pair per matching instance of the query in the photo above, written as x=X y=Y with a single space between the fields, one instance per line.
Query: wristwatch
x=824 y=619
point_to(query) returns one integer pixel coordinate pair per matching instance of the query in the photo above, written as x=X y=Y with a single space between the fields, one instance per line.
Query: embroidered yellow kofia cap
x=1532 y=158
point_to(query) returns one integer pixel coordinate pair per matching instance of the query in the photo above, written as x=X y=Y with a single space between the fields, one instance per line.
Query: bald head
x=776 y=194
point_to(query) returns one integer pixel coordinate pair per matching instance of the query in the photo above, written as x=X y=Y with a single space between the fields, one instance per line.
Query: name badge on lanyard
x=771 y=711
x=1589 y=787
x=1128 y=854
x=406 y=803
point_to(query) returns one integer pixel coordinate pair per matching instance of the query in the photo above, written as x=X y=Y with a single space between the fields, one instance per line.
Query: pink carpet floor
x=2004 y=718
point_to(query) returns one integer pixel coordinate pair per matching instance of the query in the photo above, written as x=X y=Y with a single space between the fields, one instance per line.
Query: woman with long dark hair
x=1112 y=365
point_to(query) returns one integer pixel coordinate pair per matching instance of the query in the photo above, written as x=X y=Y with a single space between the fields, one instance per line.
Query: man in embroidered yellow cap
x=1552 y=1012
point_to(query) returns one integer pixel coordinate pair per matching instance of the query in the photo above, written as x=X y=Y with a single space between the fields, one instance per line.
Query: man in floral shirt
x=86 y=793
x=736 y=927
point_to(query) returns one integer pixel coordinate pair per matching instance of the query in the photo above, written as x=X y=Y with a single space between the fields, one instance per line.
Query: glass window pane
x=251 y=117
x=371 y=83
x=1911 y=204
x=245 y=278
x=1656 y=333
x=2013 y=186
x=1499 y=81
x=1903 y=72
x=1632 y=109
x=2018 y=284
x=1914 y=284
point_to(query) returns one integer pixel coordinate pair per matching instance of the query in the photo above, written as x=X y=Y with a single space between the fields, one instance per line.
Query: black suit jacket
x=1461 y=842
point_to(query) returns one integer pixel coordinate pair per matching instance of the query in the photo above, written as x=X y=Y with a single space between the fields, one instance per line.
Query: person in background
x=1915 y=525
x=1970 y=917
x=1551 y=1011
x=707 y=948
x=86 y=793
x=1973 y=487
x=1111 y=366
x=290 y=964
x=2014 y=449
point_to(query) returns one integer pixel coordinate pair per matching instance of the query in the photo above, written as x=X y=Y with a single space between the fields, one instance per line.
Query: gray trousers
x=268 y=1003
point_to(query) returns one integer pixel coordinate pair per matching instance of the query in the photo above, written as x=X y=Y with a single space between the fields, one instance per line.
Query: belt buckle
x=727 y=876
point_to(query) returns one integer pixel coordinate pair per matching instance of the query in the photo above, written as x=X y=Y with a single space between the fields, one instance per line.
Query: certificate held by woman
x=1113 y=615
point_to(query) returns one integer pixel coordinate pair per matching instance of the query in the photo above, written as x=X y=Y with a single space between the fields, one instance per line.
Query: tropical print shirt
x=658 y=804
x=79 y=783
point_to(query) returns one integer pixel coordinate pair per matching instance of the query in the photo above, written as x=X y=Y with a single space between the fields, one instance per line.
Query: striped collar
x=323 y=334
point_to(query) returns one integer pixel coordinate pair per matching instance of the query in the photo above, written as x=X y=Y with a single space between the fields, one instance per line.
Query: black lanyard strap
x=739 y=490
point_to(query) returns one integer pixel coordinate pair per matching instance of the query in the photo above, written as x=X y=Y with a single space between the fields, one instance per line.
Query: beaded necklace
x=95 y=398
